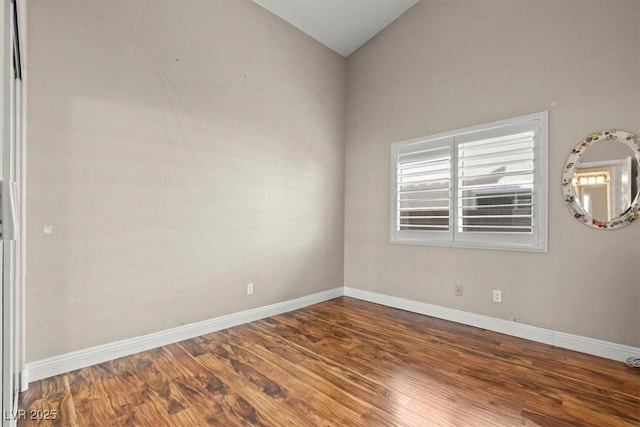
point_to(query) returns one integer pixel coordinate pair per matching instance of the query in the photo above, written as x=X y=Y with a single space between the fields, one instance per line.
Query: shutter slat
x=496 y=185
x=422 y=217
x=427 y=193
x=496 y=216
x=490 y=155
x=498 y=206
x=429 y=200
x=505 y=227
x=497 y=164
x=514 y=172
x=405 y=165
x=489 y=196
x=431 y=208
x=442 y=149
x=425 y=217
x=438 y=227
x=503 y=231
x=426 y=181
x=426 y=174
x=499 y=141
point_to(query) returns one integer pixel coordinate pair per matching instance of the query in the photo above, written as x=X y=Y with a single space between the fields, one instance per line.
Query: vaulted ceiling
x=341 y=25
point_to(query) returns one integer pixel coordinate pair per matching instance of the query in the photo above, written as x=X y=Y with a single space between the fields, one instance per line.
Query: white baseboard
x=63 y=363
x=56 y=365
x=579 y=343
x=24 y=379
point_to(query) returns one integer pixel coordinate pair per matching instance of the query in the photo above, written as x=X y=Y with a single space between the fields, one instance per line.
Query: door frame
x=11 y=213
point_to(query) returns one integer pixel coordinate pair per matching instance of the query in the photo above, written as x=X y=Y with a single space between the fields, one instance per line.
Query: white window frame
x=537 y=241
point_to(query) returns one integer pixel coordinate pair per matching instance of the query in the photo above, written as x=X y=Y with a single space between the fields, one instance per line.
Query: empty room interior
x=340 y=212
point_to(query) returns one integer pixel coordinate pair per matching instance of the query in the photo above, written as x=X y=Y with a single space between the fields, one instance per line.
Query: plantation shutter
x=483 y=186
x=496 y=184
x=423 y=189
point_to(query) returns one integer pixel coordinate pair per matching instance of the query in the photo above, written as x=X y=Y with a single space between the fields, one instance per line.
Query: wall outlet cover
x=497 y=296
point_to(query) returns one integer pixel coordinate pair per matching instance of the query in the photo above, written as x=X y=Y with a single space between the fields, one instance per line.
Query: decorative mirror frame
x=568 y=190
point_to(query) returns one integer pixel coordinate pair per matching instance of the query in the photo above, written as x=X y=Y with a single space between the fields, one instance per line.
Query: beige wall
x=448 y=64
x=180 y=150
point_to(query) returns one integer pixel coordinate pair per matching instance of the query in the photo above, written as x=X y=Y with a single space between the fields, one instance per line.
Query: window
x=483 y=186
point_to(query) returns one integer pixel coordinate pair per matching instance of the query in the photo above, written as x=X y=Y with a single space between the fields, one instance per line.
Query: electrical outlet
x=250 y=289
x=458 y=290
x=497 y=296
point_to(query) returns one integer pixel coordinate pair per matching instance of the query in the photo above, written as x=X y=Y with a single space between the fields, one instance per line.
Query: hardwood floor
x=345 y=362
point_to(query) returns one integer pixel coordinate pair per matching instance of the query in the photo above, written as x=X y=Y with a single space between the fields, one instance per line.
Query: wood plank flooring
x=344 y=362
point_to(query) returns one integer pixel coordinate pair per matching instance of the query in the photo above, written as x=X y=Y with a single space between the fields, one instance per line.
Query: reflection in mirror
x=604 y=179
x=601 y=181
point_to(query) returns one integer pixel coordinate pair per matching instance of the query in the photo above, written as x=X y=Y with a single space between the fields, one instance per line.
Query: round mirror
x=601 y=183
